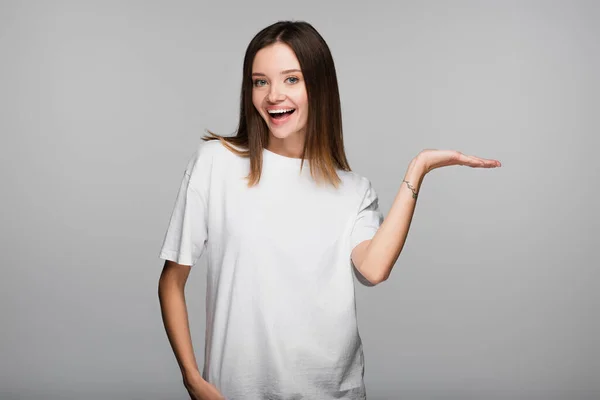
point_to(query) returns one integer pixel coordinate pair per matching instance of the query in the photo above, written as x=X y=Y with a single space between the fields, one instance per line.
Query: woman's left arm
x=375 y=258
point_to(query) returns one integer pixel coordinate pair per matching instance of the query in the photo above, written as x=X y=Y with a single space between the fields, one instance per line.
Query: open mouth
x=280 y=114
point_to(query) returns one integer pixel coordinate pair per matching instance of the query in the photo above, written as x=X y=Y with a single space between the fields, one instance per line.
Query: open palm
x=432 y=159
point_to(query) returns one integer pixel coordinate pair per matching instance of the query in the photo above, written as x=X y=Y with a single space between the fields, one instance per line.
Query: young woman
x=286 y=225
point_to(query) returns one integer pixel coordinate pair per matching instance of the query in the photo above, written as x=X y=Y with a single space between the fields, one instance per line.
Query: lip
x=280 y=121
x=279 y=108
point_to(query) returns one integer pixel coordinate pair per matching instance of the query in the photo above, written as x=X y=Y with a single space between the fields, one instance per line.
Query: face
x=279 y=92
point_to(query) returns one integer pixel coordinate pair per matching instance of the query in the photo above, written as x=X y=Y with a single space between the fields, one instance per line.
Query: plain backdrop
x=496 y=293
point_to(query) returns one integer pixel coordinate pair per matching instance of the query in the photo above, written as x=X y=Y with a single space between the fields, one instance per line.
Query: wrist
x=414 y=176
x=419 y=166
x=191 y=373
x=415 y=172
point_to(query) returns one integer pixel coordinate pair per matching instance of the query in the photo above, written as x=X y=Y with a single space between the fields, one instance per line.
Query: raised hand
x=432 y=159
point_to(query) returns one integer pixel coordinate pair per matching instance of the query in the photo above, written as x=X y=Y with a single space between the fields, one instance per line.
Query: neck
x=288 y=147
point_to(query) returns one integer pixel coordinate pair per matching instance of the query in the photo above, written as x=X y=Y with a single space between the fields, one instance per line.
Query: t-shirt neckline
x=282 y=160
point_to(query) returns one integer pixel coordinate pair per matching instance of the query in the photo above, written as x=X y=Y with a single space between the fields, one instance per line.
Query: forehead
x=275 y=58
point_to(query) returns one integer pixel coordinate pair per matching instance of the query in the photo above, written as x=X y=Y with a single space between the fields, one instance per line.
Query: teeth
x=279 y=111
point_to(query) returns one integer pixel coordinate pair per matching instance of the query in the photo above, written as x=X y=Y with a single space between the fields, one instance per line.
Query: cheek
x=304 y=104
x=257 y=101
x=303 y=101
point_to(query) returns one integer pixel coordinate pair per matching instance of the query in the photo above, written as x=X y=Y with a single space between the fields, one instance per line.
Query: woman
x=286 y=225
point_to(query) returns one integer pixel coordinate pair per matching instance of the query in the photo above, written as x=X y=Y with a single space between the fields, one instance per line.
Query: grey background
x=495 y=295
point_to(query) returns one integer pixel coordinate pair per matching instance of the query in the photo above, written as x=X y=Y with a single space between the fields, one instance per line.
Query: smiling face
x=279 y=93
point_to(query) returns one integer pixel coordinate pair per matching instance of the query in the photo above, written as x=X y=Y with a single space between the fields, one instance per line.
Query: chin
x=284 y=133
x=280 y=134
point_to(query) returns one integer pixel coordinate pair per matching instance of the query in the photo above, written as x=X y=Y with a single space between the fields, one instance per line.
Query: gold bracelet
x=411 y=188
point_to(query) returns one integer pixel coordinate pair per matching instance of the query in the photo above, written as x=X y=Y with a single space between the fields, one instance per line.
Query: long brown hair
x=323 y=144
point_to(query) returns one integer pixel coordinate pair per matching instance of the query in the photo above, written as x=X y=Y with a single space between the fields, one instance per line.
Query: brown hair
x=323 y=145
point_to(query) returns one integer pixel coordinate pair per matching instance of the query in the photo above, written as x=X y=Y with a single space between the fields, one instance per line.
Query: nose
x=275 y=95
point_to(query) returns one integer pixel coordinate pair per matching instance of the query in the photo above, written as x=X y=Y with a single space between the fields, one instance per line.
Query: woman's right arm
x=171 y=294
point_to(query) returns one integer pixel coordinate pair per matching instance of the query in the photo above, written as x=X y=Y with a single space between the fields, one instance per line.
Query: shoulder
x=206 y=154
x=203 y=164
x=356 y=183
x=208 y=149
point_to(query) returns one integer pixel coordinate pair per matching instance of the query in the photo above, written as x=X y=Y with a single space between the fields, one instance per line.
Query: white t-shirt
x=280 y=308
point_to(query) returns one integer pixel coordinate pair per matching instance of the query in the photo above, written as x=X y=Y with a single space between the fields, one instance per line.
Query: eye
x=259 y=82
x=295 y=80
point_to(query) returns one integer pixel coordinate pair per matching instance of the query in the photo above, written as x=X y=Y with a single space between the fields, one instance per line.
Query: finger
x=488 y=163
x=470 y=161
x=477 y=162
x=485 y=163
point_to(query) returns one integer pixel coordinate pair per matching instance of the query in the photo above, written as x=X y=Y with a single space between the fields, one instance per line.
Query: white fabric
x=280 y=308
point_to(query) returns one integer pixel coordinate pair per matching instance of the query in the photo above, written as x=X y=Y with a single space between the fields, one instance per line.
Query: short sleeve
x=187 y=232
x=368 y=219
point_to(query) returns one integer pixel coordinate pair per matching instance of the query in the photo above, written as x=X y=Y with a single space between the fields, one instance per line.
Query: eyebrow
x=287 y=71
